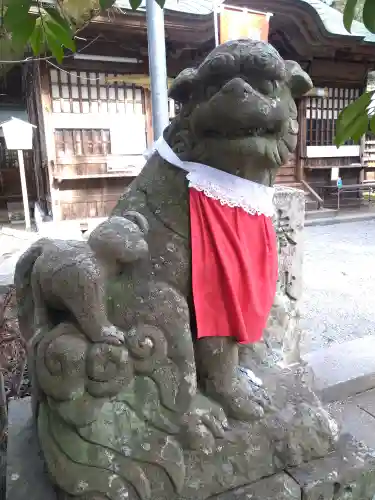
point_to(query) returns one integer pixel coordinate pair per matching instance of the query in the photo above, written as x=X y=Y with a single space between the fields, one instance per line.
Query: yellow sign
x=235 y=23
x=133 y=79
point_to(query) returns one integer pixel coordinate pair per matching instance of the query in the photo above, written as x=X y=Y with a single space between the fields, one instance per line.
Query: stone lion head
x=238 y=112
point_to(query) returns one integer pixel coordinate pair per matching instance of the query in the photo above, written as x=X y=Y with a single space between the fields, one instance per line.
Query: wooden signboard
x=18 y=135
x=243 y=23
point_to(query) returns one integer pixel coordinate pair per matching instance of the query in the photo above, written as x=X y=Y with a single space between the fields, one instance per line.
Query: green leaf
x=58 y=28
x=369 y=15
x=106 y=4
x=161 y=3
x=58 y=17
x=22 y=33
x=53 y=44
x=361 y=128
x=19 y=22
x=17 y=14
x=349 y=13
x=372 y=124
x=355 y=108
x=36 y=38
x=135 y=4
x=351 y=119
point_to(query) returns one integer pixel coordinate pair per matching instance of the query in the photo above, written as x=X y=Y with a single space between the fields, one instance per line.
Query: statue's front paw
x=241 y=405
x=244 y=399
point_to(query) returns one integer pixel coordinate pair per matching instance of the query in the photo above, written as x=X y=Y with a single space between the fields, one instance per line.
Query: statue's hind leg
x=218 y=363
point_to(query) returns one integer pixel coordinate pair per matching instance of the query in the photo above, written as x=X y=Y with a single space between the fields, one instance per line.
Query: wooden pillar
x=301 y=144
x=40 y=153
x=46 y=101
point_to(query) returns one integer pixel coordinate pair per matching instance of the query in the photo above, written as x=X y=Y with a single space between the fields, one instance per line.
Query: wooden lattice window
x=94 y=92
x=322 y=113
x=8 y=158
x=82 y=142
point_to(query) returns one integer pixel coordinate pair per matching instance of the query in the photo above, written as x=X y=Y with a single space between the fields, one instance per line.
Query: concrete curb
x=339 y=219
x=343 y=370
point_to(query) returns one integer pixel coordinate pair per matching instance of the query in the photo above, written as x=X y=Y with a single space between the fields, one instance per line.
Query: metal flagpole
x=158 y=67
x=216 y=25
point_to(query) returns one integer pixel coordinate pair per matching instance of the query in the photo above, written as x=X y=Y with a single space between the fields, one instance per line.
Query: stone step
x=354 y=418
x=322 y=213
x=311 y=205
x=343 y=370
x=293 y=184
x=337 y=217
x=346 y=474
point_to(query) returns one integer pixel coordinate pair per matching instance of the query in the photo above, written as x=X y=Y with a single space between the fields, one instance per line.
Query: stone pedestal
x=132 y=444
x=283 y=333
x=26 y=477
x=346 y=474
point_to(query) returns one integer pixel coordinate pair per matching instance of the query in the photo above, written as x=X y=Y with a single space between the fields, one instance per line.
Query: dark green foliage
x=354 y=121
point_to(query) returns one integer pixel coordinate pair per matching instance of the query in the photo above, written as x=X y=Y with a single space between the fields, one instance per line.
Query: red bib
x=234 y=250
x=234 y=268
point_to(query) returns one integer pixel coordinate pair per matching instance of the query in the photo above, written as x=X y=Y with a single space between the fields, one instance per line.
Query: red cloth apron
x=234 y=253
x=235 y=269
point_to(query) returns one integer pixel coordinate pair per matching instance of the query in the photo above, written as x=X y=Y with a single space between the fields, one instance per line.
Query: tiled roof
x=332 y=20
x=199 y=7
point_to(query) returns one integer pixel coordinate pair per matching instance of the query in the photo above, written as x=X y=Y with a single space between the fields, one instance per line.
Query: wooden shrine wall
x=100 y=129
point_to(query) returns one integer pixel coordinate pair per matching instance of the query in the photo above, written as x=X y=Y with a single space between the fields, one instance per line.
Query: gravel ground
x=339 y=283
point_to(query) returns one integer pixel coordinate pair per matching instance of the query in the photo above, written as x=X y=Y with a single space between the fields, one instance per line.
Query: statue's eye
x=264 y=86
x=273 y=85
x=277 y=87
x=269 y=87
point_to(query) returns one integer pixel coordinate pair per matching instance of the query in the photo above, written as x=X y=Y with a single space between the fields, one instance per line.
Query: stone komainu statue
x=130 y=402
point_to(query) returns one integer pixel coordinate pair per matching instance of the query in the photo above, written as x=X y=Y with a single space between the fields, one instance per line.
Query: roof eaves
x=194 y=7
x=332 y=20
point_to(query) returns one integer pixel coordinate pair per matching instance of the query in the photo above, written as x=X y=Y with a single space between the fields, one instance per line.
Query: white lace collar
x=229 y=189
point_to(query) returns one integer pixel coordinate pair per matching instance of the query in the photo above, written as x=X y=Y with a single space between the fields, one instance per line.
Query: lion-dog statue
x=128 y=404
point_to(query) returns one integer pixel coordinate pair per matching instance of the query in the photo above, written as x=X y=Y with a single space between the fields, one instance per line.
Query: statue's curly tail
x=22 y=281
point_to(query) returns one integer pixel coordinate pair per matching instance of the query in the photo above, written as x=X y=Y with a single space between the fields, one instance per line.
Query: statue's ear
x=298 y=80
x=182 y=86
